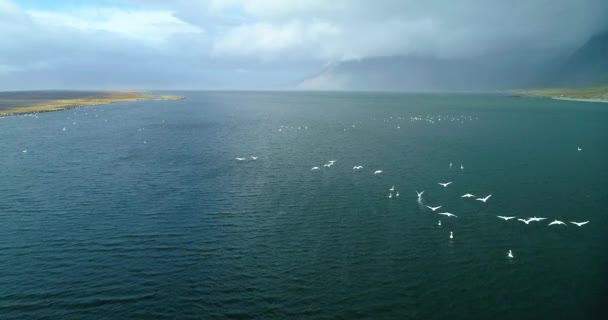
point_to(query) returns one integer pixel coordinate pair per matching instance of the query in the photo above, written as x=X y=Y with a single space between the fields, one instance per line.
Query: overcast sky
x=153 y=44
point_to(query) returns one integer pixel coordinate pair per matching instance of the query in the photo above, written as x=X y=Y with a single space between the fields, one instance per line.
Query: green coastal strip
x=596 y=94
x=70 y=103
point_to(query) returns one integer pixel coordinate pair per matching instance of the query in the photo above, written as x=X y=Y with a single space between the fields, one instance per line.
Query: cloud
x=204 y=44
x=352 y=29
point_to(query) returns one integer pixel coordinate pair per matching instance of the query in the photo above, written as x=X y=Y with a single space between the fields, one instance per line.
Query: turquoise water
x=140 y=210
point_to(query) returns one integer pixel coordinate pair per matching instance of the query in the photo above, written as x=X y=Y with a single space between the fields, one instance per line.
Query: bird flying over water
x=315 y=168
x=390 y=195
x=461 y=167
x=377 y=171
x=439 y=223
x=525 y=221
x=510 y=254
x=447 y=214
x=451 y=235
x=433 y=208
x=419 y=194
x=445 y=184
x=580 y=224
x=468 y=195
x=254 y=157
x=506 y=218
x=240 y=159
x=556 y=222
x=484 y=199
x=535 y=218
x=392 y=188
x=397 y=195
x=579 y=149
x=357 y=167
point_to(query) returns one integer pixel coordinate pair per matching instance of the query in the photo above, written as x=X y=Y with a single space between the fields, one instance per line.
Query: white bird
x=451 y=235
x=327 y=165
x=315 y=168
x=433 y=208
x=506 y=218
x=484 y=199
x=397 y=195
x=510 y=254
x=579 y=149
x=439 y=223
x=536 y=219
x=392 y=188
x=580 y=224
x=556 y=222
x=468 y=195
x=461 y=167
x=447 y=214
x=445 y=184
x=525 y=221
x=419 y=194
x=24 y=151
x=450 y=164
x=377 y=171
x=254 y=157
x=357 y=167
x=240 y=159
x=390 y=195
x=63 y=129
x=331 y=161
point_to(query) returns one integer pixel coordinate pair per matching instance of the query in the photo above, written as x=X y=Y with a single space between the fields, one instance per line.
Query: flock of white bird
x=466 y=195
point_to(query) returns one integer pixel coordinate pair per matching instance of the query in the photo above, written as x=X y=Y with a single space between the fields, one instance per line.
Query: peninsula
x=13 y=103
x=595 y=94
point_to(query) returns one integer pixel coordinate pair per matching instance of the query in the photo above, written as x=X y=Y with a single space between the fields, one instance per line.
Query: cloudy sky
x=263 y=44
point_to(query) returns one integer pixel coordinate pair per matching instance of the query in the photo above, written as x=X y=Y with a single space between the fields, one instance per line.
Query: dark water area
x=12 y=99
x=140 y=210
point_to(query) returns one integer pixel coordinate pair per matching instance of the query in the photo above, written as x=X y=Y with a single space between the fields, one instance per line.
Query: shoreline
x=596 y=94
x=72 y=103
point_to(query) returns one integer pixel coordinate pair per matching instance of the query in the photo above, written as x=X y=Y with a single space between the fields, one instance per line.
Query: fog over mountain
x=267 y=44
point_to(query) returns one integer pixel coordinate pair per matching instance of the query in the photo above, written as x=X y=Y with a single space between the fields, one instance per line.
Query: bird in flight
x=579 y=149
x=397 y=195
x=377 y=171
x=390 y=195
x=484 y=199
x=357 y=167
x=445 y=184
x=535 y=218
x=556 y=222
x=392 y=188
x=525 y=221
x=254 y=157
x=419 y=194
x=510 y=254
x=451 y=235
x=439 y=223
x=468 y=195
x=447 y=214
x=461 y=167
x=433 y=208
x=506 y=218
x=580 y=224
x=315 y=168
x=240 y=159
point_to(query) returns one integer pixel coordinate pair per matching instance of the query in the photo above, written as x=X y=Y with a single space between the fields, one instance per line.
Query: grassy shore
x=596 y=94
x=70 y=103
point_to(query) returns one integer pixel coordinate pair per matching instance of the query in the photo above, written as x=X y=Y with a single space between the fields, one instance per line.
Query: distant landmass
x=23 y=102
x=586 y=66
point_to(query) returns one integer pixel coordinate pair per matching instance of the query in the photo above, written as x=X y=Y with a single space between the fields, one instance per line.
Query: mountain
x=428 y=74
x=587 y=66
